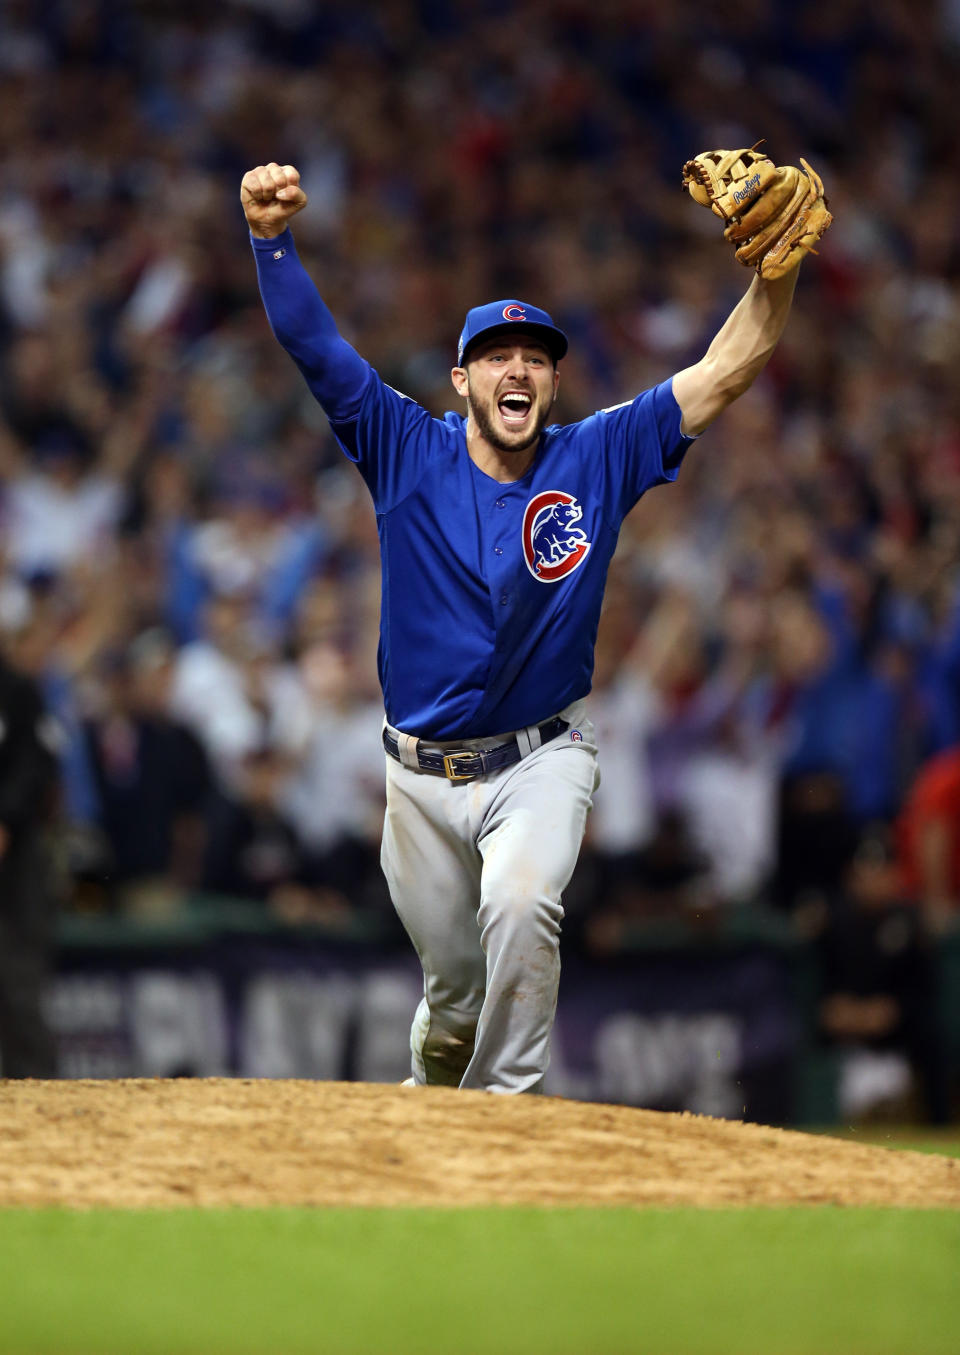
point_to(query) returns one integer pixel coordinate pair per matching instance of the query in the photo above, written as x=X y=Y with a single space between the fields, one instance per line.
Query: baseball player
x=496 y=531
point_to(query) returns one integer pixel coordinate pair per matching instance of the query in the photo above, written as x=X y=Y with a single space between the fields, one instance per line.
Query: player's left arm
x=737 y=355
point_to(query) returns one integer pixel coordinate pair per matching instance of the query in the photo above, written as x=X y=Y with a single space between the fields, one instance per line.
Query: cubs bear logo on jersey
x=552 y=546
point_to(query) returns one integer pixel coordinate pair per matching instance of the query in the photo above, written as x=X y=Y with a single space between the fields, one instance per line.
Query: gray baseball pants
x=476 y=870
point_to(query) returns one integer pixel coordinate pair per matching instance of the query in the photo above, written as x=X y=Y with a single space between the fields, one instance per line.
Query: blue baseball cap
x=502 y=315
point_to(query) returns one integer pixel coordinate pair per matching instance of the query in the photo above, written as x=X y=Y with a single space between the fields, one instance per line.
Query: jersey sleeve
x=643 y=445
x=336 y=373
x=391 y=438
x=384 y=432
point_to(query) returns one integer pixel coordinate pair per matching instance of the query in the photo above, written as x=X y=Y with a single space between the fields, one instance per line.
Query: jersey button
x=501 y=503
x=504 y=599
x=498 y=550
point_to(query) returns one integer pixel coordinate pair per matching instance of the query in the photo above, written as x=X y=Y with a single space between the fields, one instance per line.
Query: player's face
x=510 y=384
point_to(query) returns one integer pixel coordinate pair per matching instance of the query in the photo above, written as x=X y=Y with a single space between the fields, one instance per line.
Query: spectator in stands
x=878 y=1005
x=252 y=849
x=152 y=782
x=232 y=689
x=334 y=792
x=249 y=543
x=929 y=841
x=28 y=885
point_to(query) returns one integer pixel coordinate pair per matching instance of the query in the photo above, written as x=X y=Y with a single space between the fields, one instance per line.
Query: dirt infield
x=256 y=1143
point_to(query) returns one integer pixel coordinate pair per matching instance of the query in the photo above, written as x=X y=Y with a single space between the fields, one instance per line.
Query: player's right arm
x=336 y=374
x=384 y=432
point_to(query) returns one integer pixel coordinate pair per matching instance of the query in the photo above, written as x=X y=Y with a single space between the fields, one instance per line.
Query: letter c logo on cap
x=514 y=312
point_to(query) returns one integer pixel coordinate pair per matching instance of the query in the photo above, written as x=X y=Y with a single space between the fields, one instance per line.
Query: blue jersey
x=491 y=592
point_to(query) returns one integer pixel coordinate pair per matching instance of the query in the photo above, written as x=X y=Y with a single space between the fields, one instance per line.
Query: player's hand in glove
x=270 y=196
x=774 y=214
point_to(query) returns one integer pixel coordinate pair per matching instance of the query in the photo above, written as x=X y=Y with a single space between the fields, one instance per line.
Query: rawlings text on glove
x=774 y=215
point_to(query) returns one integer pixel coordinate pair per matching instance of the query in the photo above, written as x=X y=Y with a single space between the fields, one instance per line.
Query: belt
x=463 y=764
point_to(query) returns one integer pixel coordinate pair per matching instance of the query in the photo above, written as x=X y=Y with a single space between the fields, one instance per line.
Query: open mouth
x=515 y=408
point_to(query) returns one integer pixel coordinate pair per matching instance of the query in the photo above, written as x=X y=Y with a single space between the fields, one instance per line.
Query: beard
x=483 y=418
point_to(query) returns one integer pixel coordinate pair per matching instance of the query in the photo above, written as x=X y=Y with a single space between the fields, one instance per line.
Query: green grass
x=917 y=1138
x=821 y=1281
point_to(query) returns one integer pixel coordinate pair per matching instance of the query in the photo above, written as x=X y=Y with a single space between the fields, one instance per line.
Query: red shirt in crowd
x=934 y=797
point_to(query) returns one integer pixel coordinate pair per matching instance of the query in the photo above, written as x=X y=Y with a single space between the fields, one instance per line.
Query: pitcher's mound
x=222 y=1141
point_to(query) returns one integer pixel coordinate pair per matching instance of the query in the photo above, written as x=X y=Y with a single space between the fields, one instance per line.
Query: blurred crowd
x=188 y=566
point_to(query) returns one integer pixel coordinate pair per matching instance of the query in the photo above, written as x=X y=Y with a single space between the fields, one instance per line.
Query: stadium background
x=189 y=567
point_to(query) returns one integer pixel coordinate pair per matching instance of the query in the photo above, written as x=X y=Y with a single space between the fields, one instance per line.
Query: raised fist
x=271 y=195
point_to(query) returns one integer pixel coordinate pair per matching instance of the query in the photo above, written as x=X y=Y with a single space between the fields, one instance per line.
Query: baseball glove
x=774 y=214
